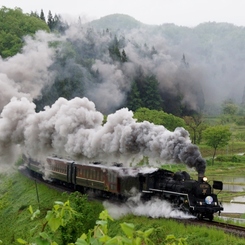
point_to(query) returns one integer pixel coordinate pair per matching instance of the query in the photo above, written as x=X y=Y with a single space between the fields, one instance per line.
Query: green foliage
x=150 y=95
x=60 y=215
x=195 y=126
x=14 y=25
x=169 y=121
x=85 y=218
x=144 y=92
x=114 y=51
x=229 y=107
x=217 y=137
x=17 y=193
x=230 y=158
x=99 y=235
x=134 y=98
x=240 y=121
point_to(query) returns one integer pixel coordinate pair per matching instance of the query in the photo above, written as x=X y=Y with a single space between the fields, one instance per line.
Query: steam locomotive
x=193 y=196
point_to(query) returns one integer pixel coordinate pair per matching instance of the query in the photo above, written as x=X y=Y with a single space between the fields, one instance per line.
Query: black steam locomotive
x=193 y=196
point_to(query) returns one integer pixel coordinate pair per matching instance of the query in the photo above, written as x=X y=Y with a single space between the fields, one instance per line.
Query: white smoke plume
x=26 y=73
x=75 y=128
x=154 y=208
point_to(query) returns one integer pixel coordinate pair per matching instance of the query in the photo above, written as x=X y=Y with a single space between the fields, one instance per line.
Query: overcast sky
x=179 y=12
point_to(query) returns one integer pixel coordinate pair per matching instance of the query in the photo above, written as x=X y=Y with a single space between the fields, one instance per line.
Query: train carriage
x=103 y=179
x=60 y=170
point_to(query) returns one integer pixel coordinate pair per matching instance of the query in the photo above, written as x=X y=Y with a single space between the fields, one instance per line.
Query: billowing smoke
x=74 y=128
x=27 y=73
x=154 y=208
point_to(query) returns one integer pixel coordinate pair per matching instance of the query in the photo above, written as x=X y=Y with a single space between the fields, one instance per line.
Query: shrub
x=229 y=158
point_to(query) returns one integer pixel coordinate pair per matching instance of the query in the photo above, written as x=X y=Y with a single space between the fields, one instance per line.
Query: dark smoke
x=74 y=128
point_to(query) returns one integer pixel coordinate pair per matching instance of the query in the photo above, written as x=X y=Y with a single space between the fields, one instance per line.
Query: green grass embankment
x=17 y=193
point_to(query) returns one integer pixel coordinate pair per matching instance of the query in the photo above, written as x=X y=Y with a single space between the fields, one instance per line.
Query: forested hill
x=117 y=22
x=117 y=62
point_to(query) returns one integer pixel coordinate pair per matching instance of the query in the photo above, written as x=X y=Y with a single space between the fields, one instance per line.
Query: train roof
x=123 y=171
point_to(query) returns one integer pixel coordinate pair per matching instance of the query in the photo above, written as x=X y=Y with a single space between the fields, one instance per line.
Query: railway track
x=228 y=228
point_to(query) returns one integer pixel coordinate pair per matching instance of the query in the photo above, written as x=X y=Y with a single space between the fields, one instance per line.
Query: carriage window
x=112 y=178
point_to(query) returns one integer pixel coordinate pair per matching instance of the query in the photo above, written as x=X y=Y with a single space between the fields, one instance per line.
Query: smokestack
x=200 y=177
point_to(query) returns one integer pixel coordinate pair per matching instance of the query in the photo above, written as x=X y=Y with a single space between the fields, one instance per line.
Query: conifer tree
x=50 y=20
x=134 y=101
x=124 y=56
x=42 y=16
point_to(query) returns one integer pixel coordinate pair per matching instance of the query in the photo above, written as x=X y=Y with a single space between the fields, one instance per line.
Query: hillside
x=117 y=22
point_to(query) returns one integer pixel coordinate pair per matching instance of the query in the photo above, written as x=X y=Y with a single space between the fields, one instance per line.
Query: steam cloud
x=75 y=128
x=154 y=208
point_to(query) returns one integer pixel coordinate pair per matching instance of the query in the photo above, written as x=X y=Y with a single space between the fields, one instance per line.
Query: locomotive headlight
x=205 y=179
x=208 y=200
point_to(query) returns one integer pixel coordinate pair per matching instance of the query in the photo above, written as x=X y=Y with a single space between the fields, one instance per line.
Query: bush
x=84 y=220
x=229 y=158
x=61 y=216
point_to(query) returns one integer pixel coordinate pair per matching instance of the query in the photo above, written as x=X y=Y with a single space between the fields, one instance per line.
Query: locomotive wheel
x=200 y=216
x=210 y=217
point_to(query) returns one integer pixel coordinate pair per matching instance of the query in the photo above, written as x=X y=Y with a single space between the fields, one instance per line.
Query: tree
x=196 y=126
x=42 y=16
x=14 y=25
x=229 y=107
x=114 y=50
x=124 y=56
x=169 y=121
x=150 y=93
x=59 y=25
x=217 y=137
x=134 y=101
x=50 y=20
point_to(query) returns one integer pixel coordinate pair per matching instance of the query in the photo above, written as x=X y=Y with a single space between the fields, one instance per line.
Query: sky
x=180 y=12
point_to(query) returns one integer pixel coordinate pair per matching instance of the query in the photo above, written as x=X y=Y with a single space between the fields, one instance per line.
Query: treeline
x=14 y=25
x=55 y=23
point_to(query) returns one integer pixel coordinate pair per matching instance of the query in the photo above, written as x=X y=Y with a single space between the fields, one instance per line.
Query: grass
x=16 y=194
x=195 y=235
